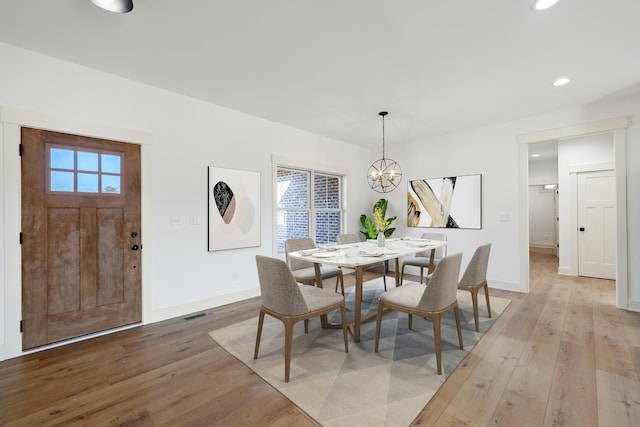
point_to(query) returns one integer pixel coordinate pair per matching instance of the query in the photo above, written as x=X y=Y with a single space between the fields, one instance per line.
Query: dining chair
x=475 y=278
x=434 y=300
x=304 y=271
x=289 y=302
x=423 y=259
x=350 y=238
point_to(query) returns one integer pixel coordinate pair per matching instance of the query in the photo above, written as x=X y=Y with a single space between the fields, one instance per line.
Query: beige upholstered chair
x=347 y=238
x=435 y=299
x=423 y=259
x=284 y=299
x=475 y=278
x=303 y=271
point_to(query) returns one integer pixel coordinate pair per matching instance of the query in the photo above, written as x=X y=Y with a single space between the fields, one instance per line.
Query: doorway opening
x=615 y=130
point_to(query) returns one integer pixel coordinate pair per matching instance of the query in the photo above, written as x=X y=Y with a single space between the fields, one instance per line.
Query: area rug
x=360 y=388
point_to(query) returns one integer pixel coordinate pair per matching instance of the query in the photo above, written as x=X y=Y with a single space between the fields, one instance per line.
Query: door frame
x=616 y=126
x=11 y=120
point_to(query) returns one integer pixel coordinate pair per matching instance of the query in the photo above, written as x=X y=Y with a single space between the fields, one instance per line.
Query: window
x=298 y=216
x=82 y=171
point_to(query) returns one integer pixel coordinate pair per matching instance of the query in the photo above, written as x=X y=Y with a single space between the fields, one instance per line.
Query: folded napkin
x=328 y=248
x=419 y=244
x=376 y=252
x=306 y=252
x=369 y=253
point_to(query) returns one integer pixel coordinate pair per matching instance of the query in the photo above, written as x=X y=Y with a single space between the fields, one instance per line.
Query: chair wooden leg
x=421 y=274
x=378 y=323
x=384 y=275
x=410 y=321
x=259 y=334
x=306 y=326
x=288 y=344
x=474 y=300
x=486 y=295
x=341 y=282
x=459 y=326
x=401 y=274
x=343 y=310
x=437 y=340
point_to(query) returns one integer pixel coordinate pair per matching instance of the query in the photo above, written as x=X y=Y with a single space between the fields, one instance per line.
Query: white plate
x=327 y=254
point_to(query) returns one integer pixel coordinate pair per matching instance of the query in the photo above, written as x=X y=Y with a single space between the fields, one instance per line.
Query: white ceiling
x=330 y=66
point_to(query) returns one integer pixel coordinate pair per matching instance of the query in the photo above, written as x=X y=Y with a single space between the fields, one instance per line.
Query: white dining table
x=358 y=256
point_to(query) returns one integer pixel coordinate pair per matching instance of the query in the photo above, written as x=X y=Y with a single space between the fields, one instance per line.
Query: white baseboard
x=196 y=306
x=506 y=286
x=542 y=245
x=634 y=304
x=566 y=271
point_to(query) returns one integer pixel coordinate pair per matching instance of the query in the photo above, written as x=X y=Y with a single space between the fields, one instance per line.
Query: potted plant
x=377 y=223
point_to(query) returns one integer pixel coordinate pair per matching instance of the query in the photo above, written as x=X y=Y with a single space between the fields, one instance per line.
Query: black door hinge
x=21 y=237
x=21 y=326
x=20 y=150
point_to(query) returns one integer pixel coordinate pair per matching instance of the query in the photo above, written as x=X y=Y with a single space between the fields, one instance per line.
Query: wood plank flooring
x=560 y=355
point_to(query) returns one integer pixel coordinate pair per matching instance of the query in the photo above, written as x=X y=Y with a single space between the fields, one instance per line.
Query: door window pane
x=111 y=184
x=87 y=161
x=62 y=181
x=87 y=183
x=110 y=163
x=62 y=159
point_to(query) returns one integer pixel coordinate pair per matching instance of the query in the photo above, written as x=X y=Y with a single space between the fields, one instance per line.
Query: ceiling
x=330 y=66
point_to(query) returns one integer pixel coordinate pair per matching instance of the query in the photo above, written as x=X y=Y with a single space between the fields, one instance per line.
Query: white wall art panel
x=234 y=209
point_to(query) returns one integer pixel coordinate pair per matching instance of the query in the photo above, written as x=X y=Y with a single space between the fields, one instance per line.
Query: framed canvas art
x=234 y=208
x=449 y=202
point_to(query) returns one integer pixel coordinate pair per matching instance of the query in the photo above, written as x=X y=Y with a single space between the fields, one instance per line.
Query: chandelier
x=384 y=174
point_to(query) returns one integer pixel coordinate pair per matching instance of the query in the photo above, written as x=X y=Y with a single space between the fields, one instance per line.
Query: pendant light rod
x=383 y=113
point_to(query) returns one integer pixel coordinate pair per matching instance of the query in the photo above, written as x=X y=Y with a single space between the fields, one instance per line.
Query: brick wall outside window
x=294 y=214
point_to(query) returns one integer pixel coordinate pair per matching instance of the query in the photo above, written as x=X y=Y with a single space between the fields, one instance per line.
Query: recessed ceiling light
x=116 y=6
x=561 y=81
x=543 y=4
x=535 y=155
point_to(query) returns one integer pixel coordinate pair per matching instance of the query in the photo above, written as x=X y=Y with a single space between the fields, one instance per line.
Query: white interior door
x=597 y=224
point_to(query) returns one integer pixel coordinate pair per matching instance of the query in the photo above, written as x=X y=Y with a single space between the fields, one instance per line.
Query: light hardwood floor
x=560 y=355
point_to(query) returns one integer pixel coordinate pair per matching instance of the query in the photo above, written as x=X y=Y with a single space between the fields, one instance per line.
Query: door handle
x=134 y=247
x=581 y=229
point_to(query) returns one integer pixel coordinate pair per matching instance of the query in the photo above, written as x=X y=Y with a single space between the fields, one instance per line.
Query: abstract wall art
x=449 y=202
x=234 y=208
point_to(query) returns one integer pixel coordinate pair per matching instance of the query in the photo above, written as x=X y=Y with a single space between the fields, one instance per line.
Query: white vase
x=381 y=240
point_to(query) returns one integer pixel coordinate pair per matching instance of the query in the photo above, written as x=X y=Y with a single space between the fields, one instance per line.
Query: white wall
x=183 y=137
x=543 y=171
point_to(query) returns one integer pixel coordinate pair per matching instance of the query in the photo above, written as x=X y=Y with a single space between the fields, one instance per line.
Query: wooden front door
x=81 y=244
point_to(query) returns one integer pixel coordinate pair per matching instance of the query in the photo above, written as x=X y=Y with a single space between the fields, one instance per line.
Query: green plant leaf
x=368 y=224
x=369 y=227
